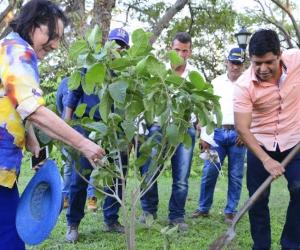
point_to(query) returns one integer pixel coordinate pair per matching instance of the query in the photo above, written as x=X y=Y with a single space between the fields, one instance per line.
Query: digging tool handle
x=226 y=237
x=264 y=186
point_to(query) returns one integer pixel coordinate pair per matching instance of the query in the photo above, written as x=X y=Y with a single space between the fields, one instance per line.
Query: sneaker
x=92 y=204
x=143 y=216
x=198 y=214
x=181 y=225
x=66 y=203
x=72 y=234
x=114 y=227
x=229 y=218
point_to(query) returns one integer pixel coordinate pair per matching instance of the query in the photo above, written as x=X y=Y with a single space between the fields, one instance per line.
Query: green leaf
x=141 y=228
x=162 y=119
x=95 y=75
x=74 y=81
x=135 y=35
x=85 y=60
x=140 y=43
x=161 y=104
x=95 y=37
x=153 y=166
x=133 y=110
x=171 y=131
x=93 y=110
x=218 y=113
x=95 y=173
x=45 y=139
x=210 y=127
x=156 y=68
x=105 y=106
x=80 y=110
x=175 y=79
x=100 y=196
x=98 y=126
x=141 y=160
x=149 y=116
x=197 y=80
x=87 y=88
x=80 y=47
x=101 y=55
x=117 y=91
x=115 y=53
x=129 y=128
x=145 y=148
x=141 y=68
x=187 y=141
x=175 y=59
x=119 y=64
x=172 y=230
x=85 y=171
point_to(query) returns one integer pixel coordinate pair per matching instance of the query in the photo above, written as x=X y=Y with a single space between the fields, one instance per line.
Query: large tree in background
x=207 y=21
x=211 y=23
x=278 y=15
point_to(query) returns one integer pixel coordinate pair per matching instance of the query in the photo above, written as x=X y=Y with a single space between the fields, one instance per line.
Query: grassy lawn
x=202 y=231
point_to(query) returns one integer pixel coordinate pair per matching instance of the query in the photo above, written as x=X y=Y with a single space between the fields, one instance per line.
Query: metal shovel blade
x=222 y=240
x=226 y=237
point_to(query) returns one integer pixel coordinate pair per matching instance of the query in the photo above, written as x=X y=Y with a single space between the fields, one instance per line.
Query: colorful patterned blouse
x=20 y=95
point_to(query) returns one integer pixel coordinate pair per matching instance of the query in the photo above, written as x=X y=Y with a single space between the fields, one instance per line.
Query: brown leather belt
x=227 y=127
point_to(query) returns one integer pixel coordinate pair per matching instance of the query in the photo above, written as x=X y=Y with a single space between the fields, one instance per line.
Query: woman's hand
x=92 y=152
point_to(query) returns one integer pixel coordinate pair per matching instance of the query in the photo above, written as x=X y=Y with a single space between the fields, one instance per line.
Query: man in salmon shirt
x=267 y=119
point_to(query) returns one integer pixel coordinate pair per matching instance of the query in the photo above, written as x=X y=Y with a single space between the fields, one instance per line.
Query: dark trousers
x=78 y=193
x=9 y=238
x=259 y=213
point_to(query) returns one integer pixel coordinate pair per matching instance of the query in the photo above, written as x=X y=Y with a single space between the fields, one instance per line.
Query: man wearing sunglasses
x=224 y=141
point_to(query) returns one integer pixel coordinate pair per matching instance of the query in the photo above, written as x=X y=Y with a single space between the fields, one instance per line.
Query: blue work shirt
x=61 y=96
x=78 y=96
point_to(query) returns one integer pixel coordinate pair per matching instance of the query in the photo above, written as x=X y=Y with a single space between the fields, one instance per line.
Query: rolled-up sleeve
x=20 y=77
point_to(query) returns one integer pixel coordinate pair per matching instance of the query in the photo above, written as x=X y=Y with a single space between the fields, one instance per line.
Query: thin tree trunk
x=102 y=16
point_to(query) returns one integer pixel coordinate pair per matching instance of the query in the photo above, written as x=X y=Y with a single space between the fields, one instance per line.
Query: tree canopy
x=211 y=23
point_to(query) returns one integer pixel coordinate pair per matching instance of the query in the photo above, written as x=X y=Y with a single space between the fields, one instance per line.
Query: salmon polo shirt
x=275 y=110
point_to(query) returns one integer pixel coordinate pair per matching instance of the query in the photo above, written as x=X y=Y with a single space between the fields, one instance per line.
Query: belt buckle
x=227 y=127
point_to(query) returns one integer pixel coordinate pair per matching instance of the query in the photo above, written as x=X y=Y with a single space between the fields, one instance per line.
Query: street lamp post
x=243 y=37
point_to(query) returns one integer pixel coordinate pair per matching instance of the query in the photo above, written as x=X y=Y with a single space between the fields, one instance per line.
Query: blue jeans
x=236 y=154
x=66 y=181
x=181 y=168
x=91 y=189
x=259 y=213
x=111 y=206
x=78 y=193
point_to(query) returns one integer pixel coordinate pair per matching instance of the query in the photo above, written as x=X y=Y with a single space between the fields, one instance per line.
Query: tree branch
x=287 y=9
x=163 y=23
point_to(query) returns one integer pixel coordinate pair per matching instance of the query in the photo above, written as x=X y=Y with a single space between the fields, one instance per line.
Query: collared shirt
x=275 y=111
x=224 y=88
x=20 y=96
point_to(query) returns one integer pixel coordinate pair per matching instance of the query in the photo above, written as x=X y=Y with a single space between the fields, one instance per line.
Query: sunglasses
x=235 y=63
x=121 y=44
